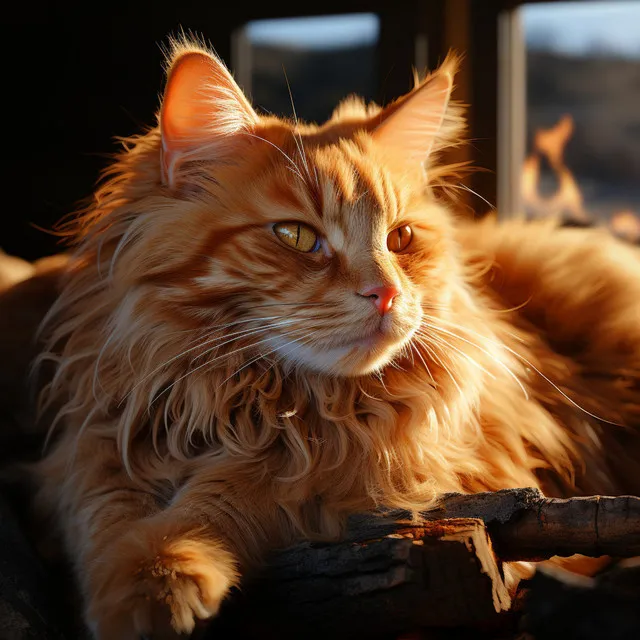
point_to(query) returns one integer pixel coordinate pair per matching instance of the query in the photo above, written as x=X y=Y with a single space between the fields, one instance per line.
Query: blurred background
x=553 y=89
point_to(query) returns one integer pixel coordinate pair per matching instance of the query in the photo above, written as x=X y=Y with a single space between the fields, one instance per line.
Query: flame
x=626 y=225
x=566 y=202
x=567 y=199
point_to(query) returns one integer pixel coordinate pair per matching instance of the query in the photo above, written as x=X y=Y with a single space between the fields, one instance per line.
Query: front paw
x=157 y=588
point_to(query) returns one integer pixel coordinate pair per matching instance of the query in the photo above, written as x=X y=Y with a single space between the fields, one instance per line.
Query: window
x=322 y=59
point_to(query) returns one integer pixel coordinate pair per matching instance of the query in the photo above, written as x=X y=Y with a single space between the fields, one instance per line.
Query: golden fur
x=210 y=402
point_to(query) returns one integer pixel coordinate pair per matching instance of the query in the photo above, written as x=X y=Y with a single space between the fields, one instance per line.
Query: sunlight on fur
x=221 y=390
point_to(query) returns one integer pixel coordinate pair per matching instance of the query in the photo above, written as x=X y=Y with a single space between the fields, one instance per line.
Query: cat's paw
x=158 y=589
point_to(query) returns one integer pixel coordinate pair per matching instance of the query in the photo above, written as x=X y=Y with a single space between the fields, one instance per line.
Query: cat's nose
x=381 y=296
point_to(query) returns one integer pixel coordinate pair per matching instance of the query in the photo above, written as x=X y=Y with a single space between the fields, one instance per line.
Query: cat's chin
x=360 y=357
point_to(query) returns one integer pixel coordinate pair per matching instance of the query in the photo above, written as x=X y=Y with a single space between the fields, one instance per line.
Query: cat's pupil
x=298 y=236
x=399 y=238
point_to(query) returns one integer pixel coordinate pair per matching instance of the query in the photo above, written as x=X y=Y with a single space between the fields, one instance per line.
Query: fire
x=626 y=225
x=567 y=199
x=566 y=202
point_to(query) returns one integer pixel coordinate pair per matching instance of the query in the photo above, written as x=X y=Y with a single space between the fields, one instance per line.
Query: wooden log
x=589 y=526
x=442 y=574
x=396 y=572
x=525 y=525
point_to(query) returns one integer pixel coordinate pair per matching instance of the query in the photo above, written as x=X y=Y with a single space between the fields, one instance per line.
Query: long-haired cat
x=267 y=325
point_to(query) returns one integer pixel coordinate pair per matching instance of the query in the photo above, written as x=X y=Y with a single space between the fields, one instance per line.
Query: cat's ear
x=202 y=107
x=423 y=121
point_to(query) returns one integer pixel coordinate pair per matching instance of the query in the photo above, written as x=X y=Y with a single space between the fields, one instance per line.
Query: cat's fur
x=180 y=455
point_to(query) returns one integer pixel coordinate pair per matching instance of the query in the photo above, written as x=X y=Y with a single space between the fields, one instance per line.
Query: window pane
x=583 y=109
x=323 y=58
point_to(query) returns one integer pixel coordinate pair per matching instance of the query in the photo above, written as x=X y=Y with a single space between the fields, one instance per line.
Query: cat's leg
x=158 y=579
x=145 y=568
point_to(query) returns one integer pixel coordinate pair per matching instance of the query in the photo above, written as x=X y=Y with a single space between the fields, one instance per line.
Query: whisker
x=464 y=186
x=378 y=374
x=424 y=362
x=211 y=330
x=433 y=355
x=487 y=353
x=242 y=334
x=298 y=140
x=466 y=356
x=189 y=350
x=262 y=356
x=291 y=304
x=532 y=366
x=275 y=146
x=208 y=363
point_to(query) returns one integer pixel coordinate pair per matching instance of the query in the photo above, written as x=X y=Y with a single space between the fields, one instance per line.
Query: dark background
x=77 y=75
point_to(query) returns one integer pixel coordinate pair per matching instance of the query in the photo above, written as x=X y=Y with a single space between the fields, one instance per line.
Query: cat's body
x=267 y=327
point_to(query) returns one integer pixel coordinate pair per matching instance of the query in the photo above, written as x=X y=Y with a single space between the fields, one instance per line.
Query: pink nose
x=382 y=297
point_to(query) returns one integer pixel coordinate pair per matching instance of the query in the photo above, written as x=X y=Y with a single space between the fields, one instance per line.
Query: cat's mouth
x=383 y=334
x=374 y=340
x=370 y=341
x=365 y=348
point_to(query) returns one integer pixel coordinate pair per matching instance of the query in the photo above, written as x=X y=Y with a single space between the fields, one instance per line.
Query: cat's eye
x=399 y=239
x=297 y=236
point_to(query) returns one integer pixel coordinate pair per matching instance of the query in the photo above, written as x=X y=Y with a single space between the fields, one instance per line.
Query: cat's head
x=315 y=246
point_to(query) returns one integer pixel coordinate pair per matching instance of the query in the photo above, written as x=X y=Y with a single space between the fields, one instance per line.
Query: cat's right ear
x=203 y=107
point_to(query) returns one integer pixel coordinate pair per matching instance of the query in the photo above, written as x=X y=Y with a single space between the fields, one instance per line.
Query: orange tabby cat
x=266 y=326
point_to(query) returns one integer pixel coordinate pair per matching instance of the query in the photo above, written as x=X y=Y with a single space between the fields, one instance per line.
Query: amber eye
x=399 y=239
x=298 y=236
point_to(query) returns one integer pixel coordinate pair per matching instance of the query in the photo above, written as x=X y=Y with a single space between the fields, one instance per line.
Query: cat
x=266 y=325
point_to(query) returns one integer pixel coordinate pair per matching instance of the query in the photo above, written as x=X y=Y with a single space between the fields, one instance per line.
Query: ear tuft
x=202 y=106
x=424 y=121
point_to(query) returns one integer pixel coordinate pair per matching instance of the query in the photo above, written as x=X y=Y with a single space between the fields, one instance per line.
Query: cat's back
x=570 y=282
x=573 y=295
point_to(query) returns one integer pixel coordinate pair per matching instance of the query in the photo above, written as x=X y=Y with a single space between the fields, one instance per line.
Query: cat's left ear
x=202 y=107
x=423 y=121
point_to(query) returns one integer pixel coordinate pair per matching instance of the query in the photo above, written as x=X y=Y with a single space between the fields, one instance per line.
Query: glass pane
x=583 y=111
x=323 y=58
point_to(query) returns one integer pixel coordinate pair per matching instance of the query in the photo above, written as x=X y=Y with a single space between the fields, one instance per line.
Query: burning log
x=395 y=573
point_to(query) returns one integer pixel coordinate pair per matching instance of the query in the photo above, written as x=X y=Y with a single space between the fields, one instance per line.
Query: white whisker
x=210 y=362
x=275 y=146
x=435 y=357
x=242 y=334
x=298 y=139
x=464 y=186
x=525 y=361
x=263 y=356
x=466 y=356
x=487 y=353
x=198 y=346
x=426 y=366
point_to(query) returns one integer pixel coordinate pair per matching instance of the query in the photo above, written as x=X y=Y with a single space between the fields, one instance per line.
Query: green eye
x=297 y=236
